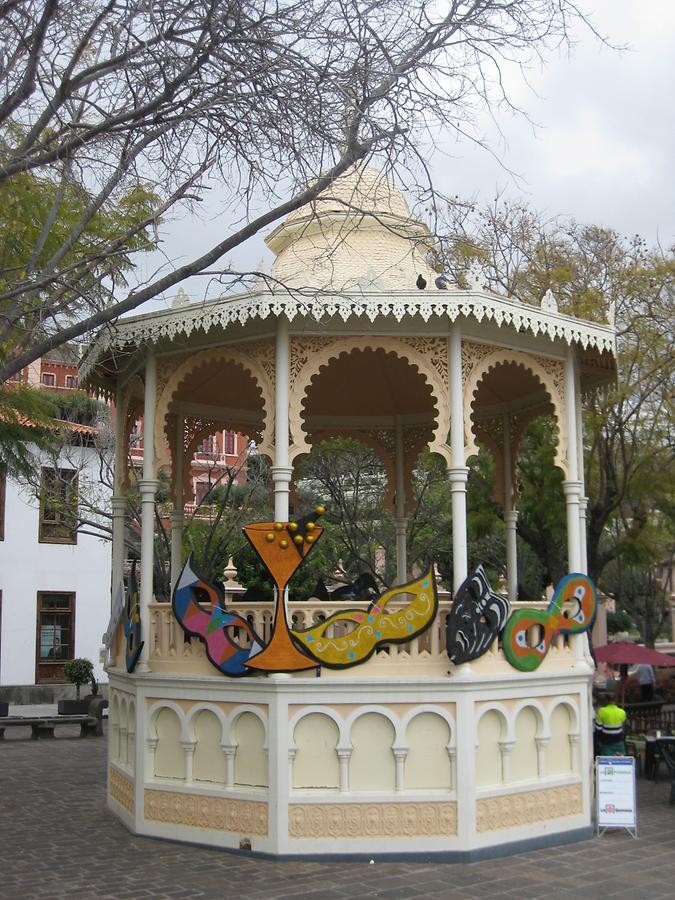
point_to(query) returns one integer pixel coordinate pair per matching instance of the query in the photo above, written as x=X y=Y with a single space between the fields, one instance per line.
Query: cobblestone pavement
x=58 y=840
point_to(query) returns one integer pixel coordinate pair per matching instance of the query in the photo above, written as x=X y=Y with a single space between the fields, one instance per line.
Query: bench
x=91 y=723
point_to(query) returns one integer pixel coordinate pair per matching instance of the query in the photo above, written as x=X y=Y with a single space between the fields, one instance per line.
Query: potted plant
x=78 y=672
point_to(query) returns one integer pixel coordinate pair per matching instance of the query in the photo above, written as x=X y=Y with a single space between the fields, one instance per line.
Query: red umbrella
x=625 y=653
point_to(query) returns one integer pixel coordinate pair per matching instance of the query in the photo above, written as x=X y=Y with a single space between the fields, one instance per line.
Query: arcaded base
x=461 y=766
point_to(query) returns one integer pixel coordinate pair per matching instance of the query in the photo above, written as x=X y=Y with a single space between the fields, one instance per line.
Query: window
x=201 y=490
x=55 y=635
x=207 y=445
x=229 y=442
x=71 y=381
x=48 y=378
x=58 y=506
x=3 y=489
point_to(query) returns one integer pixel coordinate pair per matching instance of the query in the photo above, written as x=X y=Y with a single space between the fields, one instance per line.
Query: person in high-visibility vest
x=609 y=726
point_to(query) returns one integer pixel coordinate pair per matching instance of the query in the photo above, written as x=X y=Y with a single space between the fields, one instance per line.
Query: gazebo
x=354 y=333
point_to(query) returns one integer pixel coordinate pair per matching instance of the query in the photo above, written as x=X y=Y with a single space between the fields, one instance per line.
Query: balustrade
x=168 y=642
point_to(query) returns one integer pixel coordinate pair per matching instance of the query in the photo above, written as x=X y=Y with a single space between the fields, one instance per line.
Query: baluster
x=154 y=633
x=173 y=629
x=436 y=636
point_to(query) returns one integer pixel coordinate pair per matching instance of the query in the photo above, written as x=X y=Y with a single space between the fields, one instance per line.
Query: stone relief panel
x=348 y=820
x=214 y=813
x=302 y=350
x=121 y=790
x=435 y=350
x=513 y=810
x=263 y=353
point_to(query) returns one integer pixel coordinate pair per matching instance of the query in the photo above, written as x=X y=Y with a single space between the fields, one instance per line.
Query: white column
x=572 y=486
x=541 y=744
x=583 y=549
x=292 y=753
x=281 y=470
x=583 y=501
x=458 y=472
x=400 y=754
x=400 y=521
x=148 y=489
x=118 y=501
x=178 y=517
x=189 y=751
x=452 y=758
x=510 y=516
x=574 y=751
x=344 y=755
x=506 y=748
x=229 y=750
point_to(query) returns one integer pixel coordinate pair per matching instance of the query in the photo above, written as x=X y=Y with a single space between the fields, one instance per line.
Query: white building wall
x=27 y=566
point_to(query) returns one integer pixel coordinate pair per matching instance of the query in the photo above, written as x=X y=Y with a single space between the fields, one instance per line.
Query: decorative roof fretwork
x=182 y=321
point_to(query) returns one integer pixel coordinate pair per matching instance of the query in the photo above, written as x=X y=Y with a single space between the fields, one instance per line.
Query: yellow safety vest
x=609 y=722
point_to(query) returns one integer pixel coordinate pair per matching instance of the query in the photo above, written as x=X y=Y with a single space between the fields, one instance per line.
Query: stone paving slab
x=57 y=840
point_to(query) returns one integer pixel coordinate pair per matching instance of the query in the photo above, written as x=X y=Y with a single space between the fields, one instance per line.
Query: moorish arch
x=435 y=404
x=553 y=403
x=254 y=415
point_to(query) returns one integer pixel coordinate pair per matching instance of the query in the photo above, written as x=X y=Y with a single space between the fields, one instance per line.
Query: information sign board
x=615 y=792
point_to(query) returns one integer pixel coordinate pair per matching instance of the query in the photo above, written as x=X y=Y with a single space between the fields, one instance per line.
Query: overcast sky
x=601 y=149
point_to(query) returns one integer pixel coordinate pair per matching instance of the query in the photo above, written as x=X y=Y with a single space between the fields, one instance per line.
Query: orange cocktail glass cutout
x=282 y=546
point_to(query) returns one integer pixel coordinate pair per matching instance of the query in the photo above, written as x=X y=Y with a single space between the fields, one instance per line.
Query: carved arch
x=323 y=356
x=353 y=717
x=572 y=709
x=154 y=712
x=199 y=360
x=502 y=712
x=205 y=707
x=294 y=721
x=532 y=365
x=430 y=708
x=539 y=713
x=237 y=713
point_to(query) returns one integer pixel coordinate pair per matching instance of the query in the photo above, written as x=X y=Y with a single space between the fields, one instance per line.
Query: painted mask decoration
x=373 y=627
x=218 y=629
x=571 y=611
x=132 y=623
x=476 y=618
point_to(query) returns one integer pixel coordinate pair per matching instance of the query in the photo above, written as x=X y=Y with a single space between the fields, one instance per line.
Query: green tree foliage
x=541 y=505
x=41 y=233
x=629 y=464
x=26 y=422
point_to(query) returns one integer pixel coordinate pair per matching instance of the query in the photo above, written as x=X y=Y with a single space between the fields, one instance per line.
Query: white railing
x=168 y=642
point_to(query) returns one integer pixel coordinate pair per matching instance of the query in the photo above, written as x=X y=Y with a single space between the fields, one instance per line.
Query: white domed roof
x=361 y=188
x=357 y=235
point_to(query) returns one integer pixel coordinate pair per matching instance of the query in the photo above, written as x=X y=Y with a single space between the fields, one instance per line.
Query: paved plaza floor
x=58 y=840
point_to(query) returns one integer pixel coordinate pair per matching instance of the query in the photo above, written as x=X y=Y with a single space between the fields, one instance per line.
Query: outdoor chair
x=666 y=753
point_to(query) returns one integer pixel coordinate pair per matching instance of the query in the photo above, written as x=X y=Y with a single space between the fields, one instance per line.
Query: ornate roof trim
x=151 y=328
